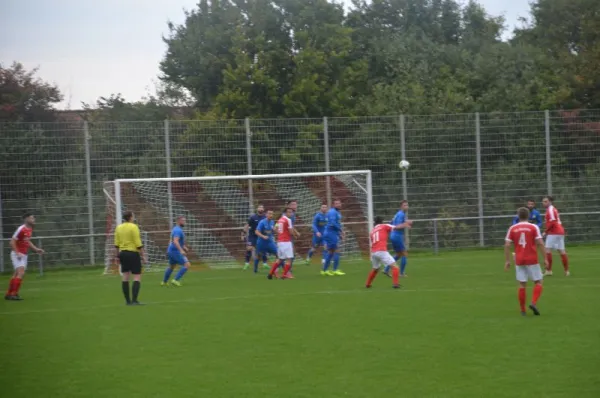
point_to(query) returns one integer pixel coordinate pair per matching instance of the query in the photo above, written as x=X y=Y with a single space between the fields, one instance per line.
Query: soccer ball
x=404 y=165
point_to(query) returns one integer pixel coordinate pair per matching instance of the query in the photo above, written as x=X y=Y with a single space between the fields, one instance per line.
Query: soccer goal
x=217 y=208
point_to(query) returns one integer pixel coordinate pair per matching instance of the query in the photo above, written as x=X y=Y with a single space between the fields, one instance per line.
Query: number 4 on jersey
x=522 y=240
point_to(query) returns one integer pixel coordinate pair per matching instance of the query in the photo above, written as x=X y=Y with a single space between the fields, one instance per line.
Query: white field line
x=273 y=295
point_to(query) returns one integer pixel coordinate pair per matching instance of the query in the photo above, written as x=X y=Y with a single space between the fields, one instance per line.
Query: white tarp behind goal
x=218 y=207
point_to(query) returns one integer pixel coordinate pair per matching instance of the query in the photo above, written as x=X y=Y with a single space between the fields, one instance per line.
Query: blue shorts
x=398 y=243
x=176 y=258
x=331 y=241
x=263 y=247
x=251 y=240
x=317 y=241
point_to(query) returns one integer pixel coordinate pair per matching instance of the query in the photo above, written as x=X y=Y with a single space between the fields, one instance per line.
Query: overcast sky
x=95 y=48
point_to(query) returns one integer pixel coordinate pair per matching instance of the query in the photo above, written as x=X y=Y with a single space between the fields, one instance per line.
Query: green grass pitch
x=454 y=330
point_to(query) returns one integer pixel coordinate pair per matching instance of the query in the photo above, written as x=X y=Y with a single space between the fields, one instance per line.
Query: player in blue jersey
x=318 y=229
x=249 y=236
x=397 y=238
x=177 y=254
x=534 y=215
x=265 y=243
x=334 y=232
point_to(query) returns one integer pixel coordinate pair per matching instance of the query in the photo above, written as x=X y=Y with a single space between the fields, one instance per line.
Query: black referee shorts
x=130 y=262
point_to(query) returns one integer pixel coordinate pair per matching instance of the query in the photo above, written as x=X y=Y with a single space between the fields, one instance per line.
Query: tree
x=25 y=97
x=570 y=33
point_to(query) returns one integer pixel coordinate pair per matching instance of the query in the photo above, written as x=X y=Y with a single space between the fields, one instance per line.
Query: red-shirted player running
x=379 y=252
x=20 y=244
x=285 y=249
x=527 y=239
x=555 y=236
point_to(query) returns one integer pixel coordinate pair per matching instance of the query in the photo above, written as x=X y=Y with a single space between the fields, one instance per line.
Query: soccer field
x=454 y=330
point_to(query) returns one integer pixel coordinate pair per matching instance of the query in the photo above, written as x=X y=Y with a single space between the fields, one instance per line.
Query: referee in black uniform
x=130 y=251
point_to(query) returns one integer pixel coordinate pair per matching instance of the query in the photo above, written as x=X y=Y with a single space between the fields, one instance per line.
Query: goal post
x=216 y=210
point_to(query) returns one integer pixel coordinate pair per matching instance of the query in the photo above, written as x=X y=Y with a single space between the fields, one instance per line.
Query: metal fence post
x=1 y=236
x=548 y=152
x=479 y=178
x=249 y=163
x=326 y=154
x=41 y=257
x=404 y=181
x=168 y=160
x=436 y=243
x=90 y=202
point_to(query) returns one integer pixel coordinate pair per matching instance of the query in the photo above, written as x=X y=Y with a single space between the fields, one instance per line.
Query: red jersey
x=524 y=236
x=284 y=225
x=553 y=224
x=23 y=235
x=379 y=237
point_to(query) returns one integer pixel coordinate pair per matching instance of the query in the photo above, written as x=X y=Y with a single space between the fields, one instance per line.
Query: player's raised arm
x=539 y=242
x=259 y=230
x=508 y=243
x=36 y=249
x=245 y=231
x=315 y=224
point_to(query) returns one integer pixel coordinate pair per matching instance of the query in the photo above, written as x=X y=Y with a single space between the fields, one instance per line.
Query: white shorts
x=381 y=258
x=285 y=250
x=18 y=260
x=556 y=242
x=529 y=272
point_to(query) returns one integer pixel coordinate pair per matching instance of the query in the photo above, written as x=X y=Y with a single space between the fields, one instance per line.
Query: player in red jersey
x=555 y=236
x=285 y=248
x=527 y=239
x=20 y=244
x=379 y=252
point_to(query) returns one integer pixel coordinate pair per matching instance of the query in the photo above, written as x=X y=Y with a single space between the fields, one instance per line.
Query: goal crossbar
x=247 y=177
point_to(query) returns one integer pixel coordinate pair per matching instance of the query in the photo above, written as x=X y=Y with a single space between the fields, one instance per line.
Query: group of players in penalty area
x=259 y=235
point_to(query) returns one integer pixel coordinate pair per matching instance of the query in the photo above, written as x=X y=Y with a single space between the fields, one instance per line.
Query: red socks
x=565 y=261
x=522 y=298
x=537 y=292
x=549 y=258
x=274 y=268
x=372 y=276
x=395 y=276
x=286 y=269
x=13 y=286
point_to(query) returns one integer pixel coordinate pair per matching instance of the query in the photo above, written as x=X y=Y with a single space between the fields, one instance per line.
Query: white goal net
x=218 y=207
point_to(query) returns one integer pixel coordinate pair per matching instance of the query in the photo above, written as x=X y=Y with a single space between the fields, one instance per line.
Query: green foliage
x=24 y=97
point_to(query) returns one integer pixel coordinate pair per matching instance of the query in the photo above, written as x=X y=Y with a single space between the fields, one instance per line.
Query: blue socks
x=327 y=256
x=403 y=265
x=336 y=261
x=256 y=264
x=403 y=261
x=180 y=274
x=248 y=255
x=168 y=273
x=265 y=259
x=311 y=251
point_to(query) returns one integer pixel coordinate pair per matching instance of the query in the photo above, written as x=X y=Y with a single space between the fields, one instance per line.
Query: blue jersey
x=534 y=217
x=334 y=222
x=319 y=223
x=399 y=218
x=265 y=227
x=177 y=232
x=253 y=224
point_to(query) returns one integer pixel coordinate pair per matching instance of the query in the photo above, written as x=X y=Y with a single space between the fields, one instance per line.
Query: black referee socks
x=136 y=290
x=125 y=286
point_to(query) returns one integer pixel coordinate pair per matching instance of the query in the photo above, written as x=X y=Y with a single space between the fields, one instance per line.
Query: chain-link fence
x=469 y=172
